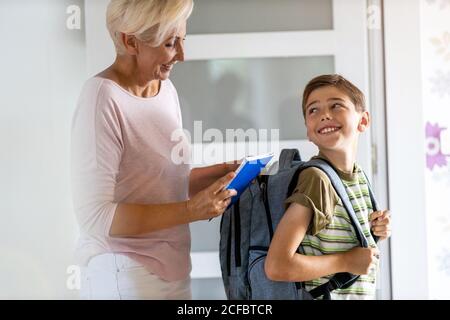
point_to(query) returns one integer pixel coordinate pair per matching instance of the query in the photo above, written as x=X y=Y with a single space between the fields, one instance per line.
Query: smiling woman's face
x=155 y=63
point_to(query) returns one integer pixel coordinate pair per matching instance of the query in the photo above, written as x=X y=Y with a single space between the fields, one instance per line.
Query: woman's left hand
x=201 y=178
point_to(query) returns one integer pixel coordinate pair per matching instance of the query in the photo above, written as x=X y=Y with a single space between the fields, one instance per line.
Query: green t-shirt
x=330 y=230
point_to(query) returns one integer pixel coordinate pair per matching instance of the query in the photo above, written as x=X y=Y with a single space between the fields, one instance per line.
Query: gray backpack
x=247 y=228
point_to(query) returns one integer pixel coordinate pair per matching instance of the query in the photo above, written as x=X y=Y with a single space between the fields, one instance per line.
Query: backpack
x=247 y=228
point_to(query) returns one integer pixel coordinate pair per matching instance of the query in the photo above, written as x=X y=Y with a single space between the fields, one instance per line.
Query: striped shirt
x=331 y=230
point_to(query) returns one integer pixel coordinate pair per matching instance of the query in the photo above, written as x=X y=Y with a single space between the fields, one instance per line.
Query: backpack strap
x=339 y=187
x=371 y=194
x=374 y=202
x=262 y=181
x=287 y=156
x=343 y=279
x=340 y=280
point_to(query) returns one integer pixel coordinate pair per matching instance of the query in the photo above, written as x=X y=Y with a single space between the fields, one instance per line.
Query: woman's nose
x=180 y=51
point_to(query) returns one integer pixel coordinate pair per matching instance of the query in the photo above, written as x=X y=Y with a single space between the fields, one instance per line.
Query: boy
x=316 y=221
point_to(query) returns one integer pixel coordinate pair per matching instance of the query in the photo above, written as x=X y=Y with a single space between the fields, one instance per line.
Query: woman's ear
x=364 y=122
x=130 y=43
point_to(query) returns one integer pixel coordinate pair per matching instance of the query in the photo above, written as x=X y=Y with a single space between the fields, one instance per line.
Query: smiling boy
x=316 y=221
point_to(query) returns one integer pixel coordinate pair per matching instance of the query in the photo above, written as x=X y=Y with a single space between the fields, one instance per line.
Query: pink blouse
x=121 y=152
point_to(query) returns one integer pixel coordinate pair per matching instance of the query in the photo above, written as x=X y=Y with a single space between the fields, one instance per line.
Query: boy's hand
x=380 y=222
x=361 y=260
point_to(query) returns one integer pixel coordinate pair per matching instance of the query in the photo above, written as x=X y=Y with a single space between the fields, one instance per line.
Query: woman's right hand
x=360 y=260
x=211 y=201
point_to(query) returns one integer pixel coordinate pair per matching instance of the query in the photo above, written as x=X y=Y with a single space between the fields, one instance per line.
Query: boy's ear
x=364 y=122
x=307 y=132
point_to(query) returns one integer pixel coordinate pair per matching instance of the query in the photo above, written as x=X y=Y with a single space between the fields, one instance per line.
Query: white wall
x=406 y=159
x=435 y=36
x=418 y=97
x=100 y=51
x=43 y=68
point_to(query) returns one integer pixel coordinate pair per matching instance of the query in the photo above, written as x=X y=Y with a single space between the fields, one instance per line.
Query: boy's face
x=332 y=120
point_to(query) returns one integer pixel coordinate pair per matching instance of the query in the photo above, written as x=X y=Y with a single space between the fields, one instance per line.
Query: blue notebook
x=249 y=169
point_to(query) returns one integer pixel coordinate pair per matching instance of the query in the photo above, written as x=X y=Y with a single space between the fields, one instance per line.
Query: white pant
x=113 y=276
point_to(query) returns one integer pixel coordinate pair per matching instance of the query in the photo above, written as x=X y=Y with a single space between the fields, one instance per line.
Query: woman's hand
x=211 y=201
x=360 y=260
x=232 y=166
x=201 y=178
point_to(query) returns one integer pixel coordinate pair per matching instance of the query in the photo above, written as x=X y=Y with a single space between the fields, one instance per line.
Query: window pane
x=262 y=93
x=213 y=16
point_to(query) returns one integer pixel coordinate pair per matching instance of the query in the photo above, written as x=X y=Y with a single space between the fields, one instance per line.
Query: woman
x=130 y=196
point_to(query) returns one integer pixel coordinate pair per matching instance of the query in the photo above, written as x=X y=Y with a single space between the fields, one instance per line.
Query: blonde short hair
x=150 y=21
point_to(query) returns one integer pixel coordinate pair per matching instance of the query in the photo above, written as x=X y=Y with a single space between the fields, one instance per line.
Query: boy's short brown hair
x=339 y=82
